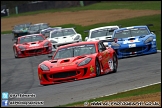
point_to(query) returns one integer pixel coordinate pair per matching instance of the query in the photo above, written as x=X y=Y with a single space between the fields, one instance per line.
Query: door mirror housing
x=102 y=49
x=50 y=56
x=86 y=38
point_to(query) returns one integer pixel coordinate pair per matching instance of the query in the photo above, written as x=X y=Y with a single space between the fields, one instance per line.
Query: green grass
x=5 y=32
x=145 y=90
x=134 y=5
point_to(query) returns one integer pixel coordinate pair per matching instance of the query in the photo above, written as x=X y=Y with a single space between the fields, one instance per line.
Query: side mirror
x=102 y=49
x=46 y=36
x=153 y=31
x=86 y=38
x=50 y=56
x=14 y=41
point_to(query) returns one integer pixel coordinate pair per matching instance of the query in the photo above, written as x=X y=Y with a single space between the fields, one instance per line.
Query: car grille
x=63 y=74
x=135 y=49
x=35 y=51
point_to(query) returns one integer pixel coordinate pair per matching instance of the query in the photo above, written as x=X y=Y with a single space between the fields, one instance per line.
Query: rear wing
x=148 y=25
x=14 y=39
x=86 y=31
x=109 y=40
x=110 y=29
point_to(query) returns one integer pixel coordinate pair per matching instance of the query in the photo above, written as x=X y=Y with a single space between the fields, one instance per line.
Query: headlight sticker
x=110 y=63
x=92 y=68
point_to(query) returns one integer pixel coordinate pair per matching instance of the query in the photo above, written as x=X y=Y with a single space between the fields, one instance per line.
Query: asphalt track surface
x=20 y=76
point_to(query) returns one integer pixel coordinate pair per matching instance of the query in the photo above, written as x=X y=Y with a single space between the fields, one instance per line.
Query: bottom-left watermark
x=7 y=103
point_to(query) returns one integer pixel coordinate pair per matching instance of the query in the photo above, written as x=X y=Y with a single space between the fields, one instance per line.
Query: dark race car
x=20 y=30
x=30 y=45
x=36 y=28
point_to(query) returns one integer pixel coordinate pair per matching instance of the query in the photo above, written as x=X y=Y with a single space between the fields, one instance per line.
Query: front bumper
x=140 y=49
x=71 y=73
x=36 y=51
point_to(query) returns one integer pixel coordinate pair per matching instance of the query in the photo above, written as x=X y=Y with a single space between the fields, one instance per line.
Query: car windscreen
x=102 y=32
x=34 y=27
x=75 y=51
x=62 y=32
x=32 y=38
x=131 y=32
x=21 y=27
x=43 y=26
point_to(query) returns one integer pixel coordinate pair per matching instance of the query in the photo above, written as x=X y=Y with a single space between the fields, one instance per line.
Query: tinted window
x=30 y=39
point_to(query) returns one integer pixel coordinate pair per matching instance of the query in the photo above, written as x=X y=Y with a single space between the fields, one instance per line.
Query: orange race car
x=30 y=45
x=78 y=61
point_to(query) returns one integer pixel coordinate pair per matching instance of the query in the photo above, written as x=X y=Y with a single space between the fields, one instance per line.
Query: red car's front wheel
x=115 y=63
x=15 y=53
x=98 y=69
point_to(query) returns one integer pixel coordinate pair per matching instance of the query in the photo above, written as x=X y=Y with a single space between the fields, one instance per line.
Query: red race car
x=30 y=45
x=78 y=61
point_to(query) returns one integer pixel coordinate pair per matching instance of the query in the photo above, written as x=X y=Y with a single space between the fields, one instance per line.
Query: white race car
x=63 y=36
x=101 y=33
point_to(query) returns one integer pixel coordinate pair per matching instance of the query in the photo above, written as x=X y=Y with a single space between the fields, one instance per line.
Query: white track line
x=129 y=90
x=158 y=50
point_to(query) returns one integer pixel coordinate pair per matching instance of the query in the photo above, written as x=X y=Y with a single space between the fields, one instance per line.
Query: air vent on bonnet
x=53 y=61
x=66 y=60
x=33 y=43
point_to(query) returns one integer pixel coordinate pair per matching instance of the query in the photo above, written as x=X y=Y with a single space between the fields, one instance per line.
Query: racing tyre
x=115 y=63
x=15 y=53
x=98 y=69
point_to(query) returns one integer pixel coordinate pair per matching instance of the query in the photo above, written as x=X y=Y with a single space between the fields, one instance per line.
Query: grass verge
x=136 y=92
x=105 y=5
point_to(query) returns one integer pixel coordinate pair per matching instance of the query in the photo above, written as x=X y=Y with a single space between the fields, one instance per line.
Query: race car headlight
x=44 y=67
x=77 y=37
x=149 y=39
x=53 y=41
x=84 y=62
x=22 y=48
x=115 y=44
x=46 y=44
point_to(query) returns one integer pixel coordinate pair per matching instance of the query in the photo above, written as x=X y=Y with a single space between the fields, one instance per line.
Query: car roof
x=104 y=27
x=61 y=29
x=130 y=27
x=80 y=43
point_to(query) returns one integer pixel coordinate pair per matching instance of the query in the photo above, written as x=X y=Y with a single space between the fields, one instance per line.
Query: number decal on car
x=110 y=62
x=132 y=45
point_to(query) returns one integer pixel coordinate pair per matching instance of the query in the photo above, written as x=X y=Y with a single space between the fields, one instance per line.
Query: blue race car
x=134 y=40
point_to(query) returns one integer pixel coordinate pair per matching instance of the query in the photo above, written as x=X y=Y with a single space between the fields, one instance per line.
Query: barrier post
x=8 y=12
x=16 y=9
x=81 y=3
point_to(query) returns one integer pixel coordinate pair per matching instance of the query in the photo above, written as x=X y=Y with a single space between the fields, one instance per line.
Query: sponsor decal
x=91 y=68
x=110 y=63
x=132 y=45
x=131 y=40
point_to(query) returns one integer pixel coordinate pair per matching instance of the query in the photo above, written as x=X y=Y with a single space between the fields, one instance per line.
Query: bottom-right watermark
x=122 y=103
